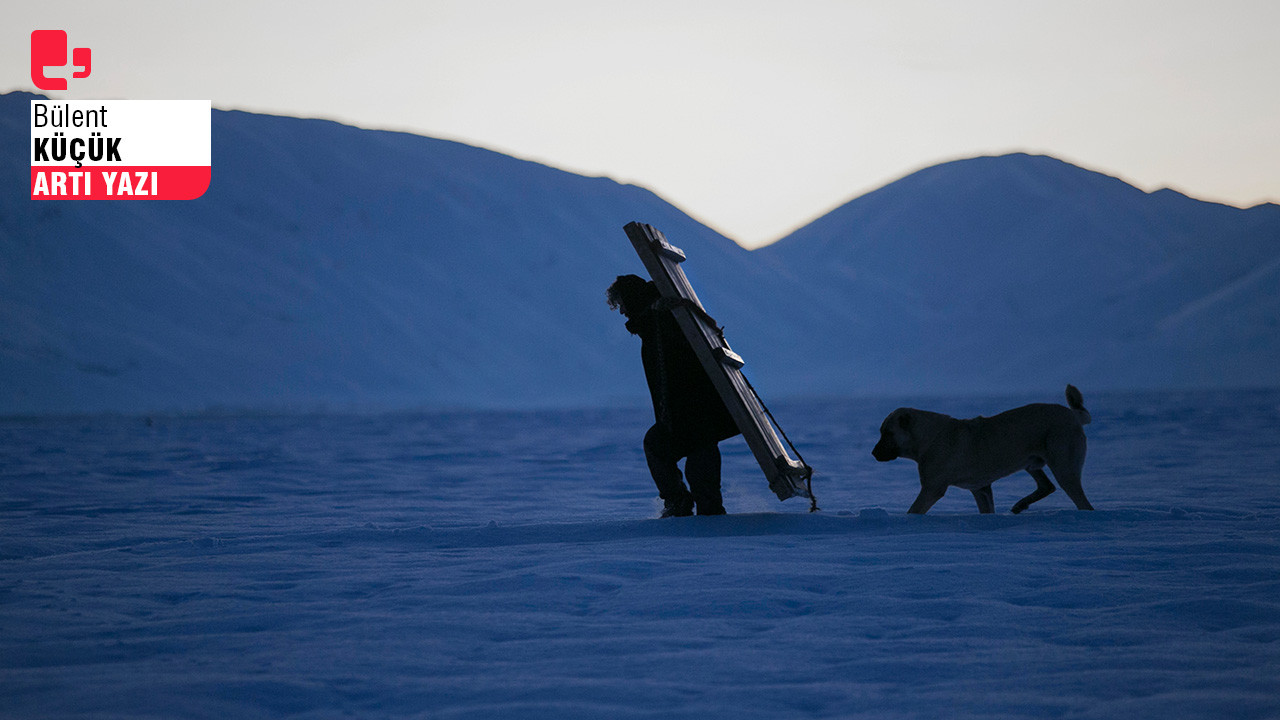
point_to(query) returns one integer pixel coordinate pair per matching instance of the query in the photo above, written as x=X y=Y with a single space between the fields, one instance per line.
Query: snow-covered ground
x=486 y=565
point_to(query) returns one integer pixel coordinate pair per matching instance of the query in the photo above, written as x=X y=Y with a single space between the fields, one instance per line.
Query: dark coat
x=685 y=403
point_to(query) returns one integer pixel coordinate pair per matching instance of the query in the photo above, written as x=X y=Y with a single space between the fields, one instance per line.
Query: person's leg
x=660 y=455
x=703 y=472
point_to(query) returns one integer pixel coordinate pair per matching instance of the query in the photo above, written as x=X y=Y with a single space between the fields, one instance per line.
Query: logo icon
x=49 y=50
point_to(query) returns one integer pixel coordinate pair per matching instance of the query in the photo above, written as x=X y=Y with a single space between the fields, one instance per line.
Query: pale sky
x=754 y=117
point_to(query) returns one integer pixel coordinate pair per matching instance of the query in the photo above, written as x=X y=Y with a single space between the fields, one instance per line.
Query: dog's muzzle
x=883 y=452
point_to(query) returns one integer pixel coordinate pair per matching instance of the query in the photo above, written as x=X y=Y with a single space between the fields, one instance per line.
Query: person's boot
x=711 y=508
x=678 y=507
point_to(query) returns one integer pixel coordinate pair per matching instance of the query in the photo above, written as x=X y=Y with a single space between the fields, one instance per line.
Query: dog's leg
x=1066 y=470
x=925 y=500
x=1070 y=482
x=986 y=502
x=1044 y=489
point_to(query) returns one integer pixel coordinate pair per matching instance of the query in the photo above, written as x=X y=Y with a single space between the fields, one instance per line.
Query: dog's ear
x=904 y=421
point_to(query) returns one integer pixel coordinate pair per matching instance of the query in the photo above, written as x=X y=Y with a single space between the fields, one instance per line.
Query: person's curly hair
x=631 y=293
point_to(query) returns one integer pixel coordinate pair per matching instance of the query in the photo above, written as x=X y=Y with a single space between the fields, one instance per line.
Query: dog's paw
x=1017 y=508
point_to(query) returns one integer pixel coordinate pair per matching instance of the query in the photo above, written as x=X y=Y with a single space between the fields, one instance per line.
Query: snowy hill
x=333 y=267
x=1020 y=271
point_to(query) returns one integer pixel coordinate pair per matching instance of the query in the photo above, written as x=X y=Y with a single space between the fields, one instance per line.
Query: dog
x=974 y=453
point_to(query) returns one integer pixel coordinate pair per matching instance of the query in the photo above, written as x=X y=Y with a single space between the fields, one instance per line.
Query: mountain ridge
x=1028 y=257
x=334 y=267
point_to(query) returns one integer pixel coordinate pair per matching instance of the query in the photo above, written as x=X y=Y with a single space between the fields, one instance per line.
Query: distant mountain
x=330 y=267
x=1019 y=272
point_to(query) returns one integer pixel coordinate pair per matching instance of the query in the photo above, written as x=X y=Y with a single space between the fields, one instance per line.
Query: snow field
x=473 y=565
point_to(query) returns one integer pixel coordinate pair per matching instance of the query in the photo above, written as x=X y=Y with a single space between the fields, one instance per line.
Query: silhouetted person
x=690 y=418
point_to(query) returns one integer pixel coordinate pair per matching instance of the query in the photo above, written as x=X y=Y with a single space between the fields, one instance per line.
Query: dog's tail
x=1076 y=401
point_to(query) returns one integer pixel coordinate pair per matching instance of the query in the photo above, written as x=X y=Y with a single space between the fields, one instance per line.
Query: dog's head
x=895 y=436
